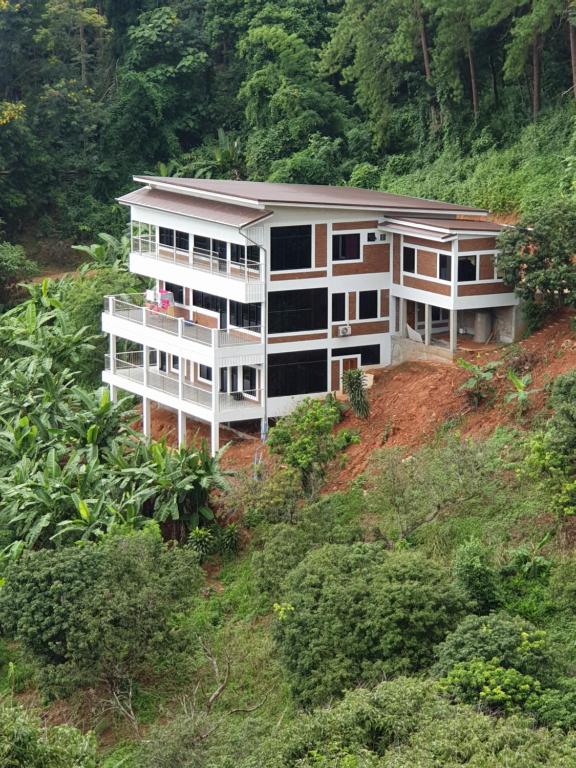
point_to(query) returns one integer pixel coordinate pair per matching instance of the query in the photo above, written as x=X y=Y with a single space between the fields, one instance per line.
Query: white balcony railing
x=131 y=307
x=199 y=258
x=130 y=366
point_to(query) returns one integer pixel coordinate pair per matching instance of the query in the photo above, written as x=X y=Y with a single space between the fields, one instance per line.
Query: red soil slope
x=410 y=402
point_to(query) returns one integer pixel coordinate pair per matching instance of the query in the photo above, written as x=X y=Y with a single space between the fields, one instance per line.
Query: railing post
x=181 y=365
x=146 y=357
x=112 y=353
x=180 y=327
x=111 y=305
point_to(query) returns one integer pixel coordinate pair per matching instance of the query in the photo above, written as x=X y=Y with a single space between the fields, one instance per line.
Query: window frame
x=310 y=249
x=377 y=309
x=318 y=304
x=476 y=261
x=348 y=233
x=344 y=295
x=447 y=256
x=404 y=249
x=202 y=378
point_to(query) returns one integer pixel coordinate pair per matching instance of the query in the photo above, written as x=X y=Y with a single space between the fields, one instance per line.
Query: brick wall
x=477 y=244
x=486 y=267
x=376 y=259
x=364 y=328
x=426 y=285
x=481 y=289
x=384 y=302
x=427 y=263
x=352 y=306
x=297 y=337
x=396 y=258
x=354 y=225
x=320 y=243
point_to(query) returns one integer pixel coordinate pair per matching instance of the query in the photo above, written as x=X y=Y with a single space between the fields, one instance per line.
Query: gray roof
x=262 y=193
x=196 y=207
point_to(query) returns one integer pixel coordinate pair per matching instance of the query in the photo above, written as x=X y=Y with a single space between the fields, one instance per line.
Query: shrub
x=478 y=387
x=271 y=497
x=474 y=572
x=305 y=438
x=358 y=613
x=508 y=641
x=491 y=686
x=25 y=743
x=98 y=612
x=354 y=385
x=285 y=547
x=14 y=267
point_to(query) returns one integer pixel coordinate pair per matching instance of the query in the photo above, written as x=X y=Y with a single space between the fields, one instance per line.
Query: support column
x=214 y=436
x=112 y=358
x=181 y=429
x=427 y=324
x=146 y=422
x=403 y=317
x=453 y=330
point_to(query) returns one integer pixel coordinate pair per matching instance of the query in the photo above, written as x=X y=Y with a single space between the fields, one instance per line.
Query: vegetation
x=354 y=385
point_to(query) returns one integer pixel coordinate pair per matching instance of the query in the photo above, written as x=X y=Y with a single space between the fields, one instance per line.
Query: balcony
x=199 y=268
x=128 y=371
x=127 y=316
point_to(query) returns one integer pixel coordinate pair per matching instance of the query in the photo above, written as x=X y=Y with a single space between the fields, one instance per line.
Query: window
x=409 y=259
x=369 y=354
x=202 y=243
x=237 y=253
x=438 y=313
x=212 y=303
x=182 y=240
x=371 y=237
x=466 y=269
x=249 y=380
x=205 y=372
x=297 y=373
x=345 y=247
x=368 y=308
x=291 y=248
x=174 y=362
x=253 y=254
x=445 y=266
x=177 y=291
x=223 y=379
x=338 y=307
x=166 y=237
x=219 y=248
x=245 y=315
x=293 y=311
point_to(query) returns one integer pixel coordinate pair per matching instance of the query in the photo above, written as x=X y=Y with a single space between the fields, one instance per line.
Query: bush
x=99 y=612
x=490 y=686
x=285 y=547
x=354 y=385
x=508 y=641
x=476 y=575
x=357 y=613
x=25 y=743
x=305 y=438
x=14 y=267
x=267 y=498
x=478 y=387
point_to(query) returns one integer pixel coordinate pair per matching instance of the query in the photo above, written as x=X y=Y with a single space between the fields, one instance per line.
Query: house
x=265 y=293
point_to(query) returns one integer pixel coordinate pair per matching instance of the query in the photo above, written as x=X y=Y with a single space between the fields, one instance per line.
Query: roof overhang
x=205 y=195
x=435 y=232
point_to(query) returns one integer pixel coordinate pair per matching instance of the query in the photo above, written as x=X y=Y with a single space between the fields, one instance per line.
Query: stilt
x=214 y=437
x=427 y=324
x=181 y=429
x=453 y=330
x=146 y=422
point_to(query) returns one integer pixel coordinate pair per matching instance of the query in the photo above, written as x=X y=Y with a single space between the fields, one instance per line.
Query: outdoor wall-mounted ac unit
x=344 y=330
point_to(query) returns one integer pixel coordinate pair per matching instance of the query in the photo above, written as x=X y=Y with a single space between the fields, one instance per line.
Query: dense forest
x=160 y=607
x=468 y=101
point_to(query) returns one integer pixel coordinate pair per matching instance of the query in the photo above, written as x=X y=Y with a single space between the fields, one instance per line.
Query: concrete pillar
x=427 y=324
x=181 y=429
x=453 y=330
x=403 y=317
x=214 y=437
x=113 y=393
x=146 y=422
x=263 y=430
x=112 y=352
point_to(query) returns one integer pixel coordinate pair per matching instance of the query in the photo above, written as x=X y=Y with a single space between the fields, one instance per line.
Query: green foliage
x=537 y=257
x=14 y=267
x=100 y=613
x=520 y=394
x=491 y=686
x=306 y=441
x=479 y=386
x=508 y=641
x=26 y=743
x=373 y=613
x=477 y=576
x=267 y=496
x=354 y=385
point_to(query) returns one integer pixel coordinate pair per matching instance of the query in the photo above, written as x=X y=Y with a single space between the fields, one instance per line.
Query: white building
x=264 y=293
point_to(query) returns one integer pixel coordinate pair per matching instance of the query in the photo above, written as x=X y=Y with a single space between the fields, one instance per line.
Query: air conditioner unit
x=344 y=330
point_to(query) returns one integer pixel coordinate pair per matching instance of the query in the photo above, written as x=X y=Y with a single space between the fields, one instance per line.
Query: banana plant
x=520 y=394
x=112 y=252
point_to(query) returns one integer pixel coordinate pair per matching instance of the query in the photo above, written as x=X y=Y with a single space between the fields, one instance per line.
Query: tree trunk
x=494 y=82
x=83 y=76
x=572 y=31
x=435 y=118
x=473 y=86
x=536 y=49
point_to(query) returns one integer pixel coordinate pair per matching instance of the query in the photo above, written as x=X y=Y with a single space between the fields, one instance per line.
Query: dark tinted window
x=166 y=236
x=409 y=259
x=338 y=307
x=213 y=303
x=466 y=269
x=205 y=372
x=245 y=315
x=219 y=247
x=291 y=248
x=445 y=266
x=368 y=305
x=182 y=240
x=297 y=373
x=201 y=243
x=253 y=253
x=345 y=247
x=249 y=379
x=177 y=291
x=291 y=311
x=237 y=253
x=369 y=354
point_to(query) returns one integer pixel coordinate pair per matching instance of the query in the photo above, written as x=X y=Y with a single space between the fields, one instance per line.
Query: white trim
x=191 y=216
x=450 y=231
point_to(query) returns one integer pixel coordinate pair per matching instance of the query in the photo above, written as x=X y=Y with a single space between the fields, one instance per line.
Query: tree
x=359 y=613
x=100 y=613
x=537 y=258
x=14 y=267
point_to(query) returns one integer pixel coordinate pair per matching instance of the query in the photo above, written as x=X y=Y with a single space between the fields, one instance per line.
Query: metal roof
x=196 y=207
x=262 y=193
